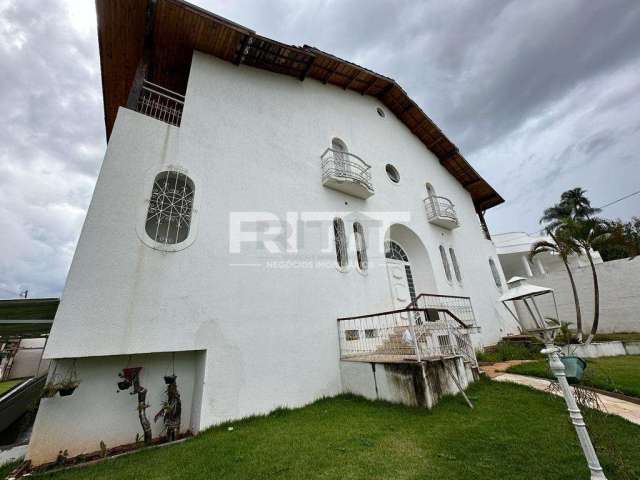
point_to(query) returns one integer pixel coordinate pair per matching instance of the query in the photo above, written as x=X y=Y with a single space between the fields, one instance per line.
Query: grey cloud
x=540 y=96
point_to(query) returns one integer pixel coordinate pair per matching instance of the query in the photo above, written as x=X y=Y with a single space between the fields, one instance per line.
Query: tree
x=568 y=223
x=625 y=240
x=576 y=201
x=563 y=249
x=589 y=234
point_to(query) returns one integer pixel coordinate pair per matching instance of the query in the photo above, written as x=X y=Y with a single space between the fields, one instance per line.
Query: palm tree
x=578 y=204
x=570 y=221
x=588 y=235
x=563 y=249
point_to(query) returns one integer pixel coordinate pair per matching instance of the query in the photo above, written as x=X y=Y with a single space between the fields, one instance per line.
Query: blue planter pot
x=574 y=368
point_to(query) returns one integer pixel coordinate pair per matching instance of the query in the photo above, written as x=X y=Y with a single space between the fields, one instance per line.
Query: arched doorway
x=403 y=289
x=408 y=266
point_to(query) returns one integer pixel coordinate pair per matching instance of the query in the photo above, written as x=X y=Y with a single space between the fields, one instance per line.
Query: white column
x=527 y=267
x=557 y=367
x=540 y=267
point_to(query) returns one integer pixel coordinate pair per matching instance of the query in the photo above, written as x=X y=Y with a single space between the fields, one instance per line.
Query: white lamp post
x=528 y=315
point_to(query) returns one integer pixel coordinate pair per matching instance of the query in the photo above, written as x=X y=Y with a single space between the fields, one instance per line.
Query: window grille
x=340 y=237
x=445 y=263
x=456 y=267
x=361 y=246
x=494 y=272
x=170 y=208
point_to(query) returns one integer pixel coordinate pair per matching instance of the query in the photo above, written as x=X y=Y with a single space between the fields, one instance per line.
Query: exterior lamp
x=530 y=302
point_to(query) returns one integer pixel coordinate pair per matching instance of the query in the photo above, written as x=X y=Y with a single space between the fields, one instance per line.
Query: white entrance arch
x=408 y=266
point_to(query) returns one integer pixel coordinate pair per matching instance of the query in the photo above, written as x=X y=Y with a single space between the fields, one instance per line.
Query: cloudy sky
x=540 y=97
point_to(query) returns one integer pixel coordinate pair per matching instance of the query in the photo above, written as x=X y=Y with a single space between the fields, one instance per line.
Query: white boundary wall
x=619 y=282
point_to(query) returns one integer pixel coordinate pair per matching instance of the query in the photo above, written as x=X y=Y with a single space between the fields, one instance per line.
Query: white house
x=513 y=251
x=251 y=194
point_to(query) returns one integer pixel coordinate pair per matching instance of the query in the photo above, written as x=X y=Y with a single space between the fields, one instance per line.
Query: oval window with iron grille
x=340 y=238
x=445 y=263
x=361 y=246
x=170 y=208
x=454 y=262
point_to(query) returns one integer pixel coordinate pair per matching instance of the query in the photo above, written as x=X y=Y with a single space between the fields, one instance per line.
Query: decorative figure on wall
x=131 y=377
x=171 y=410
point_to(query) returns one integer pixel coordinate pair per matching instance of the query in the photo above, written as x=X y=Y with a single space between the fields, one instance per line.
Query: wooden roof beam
x=370 y=86
x=310 y=63
x=244 y=49
x=350 y=82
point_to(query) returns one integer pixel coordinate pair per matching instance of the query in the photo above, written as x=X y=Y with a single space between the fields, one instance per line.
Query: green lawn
x=615 y=374
x=4 y=386
x=513 y=433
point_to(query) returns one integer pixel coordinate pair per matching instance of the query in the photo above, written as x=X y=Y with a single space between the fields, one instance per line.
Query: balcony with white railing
x=346 y=173
x=402 y=336
x=160 y=103
x=441 y=212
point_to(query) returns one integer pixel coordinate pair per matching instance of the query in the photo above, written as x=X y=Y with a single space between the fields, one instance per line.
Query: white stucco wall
x=619 y=282
x=98 y=411
x=251 y=140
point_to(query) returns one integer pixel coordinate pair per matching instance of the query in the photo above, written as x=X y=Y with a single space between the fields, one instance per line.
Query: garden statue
x=171 y=409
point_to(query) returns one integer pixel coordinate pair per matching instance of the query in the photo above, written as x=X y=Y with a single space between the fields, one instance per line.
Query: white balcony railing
x=411 y=334
x=346 y=173
x=160 y=103
x=441 y=212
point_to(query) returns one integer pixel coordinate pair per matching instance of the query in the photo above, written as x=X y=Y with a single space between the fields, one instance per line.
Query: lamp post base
x=557 y=367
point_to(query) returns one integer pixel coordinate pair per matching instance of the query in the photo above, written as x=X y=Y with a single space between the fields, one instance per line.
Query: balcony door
x=341 y=158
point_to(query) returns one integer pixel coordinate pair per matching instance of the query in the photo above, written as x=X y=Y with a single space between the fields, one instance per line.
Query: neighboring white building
x=233 y=225
x=513 y=250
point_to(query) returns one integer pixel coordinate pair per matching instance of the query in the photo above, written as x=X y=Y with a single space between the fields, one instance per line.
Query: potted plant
x=68 y=386
x=49 y=390
x=574 y=366
x=124 y=384
x=170 y=379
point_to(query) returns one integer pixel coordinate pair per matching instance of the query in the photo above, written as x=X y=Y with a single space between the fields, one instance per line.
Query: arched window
x=494 y=272
x=340 y=237
x=361 y=246
x=456 y=267
x=170 y=208
x=394 y=251
x=445 y=263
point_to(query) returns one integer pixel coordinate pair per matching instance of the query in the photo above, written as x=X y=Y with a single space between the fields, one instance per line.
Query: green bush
x=504 y=351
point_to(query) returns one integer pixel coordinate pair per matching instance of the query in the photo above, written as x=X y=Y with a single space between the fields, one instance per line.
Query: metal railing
x=406 y=335
x=346 y=166
x=440 y=207
x=460 y=308
x=160 y=103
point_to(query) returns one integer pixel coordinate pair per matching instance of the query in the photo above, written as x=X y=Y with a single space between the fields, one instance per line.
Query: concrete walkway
x=627 y=410
x=493 y=370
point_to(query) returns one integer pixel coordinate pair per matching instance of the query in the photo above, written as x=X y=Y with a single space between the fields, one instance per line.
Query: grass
x=513 y=433
x=614 y=374
x=5 y=386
